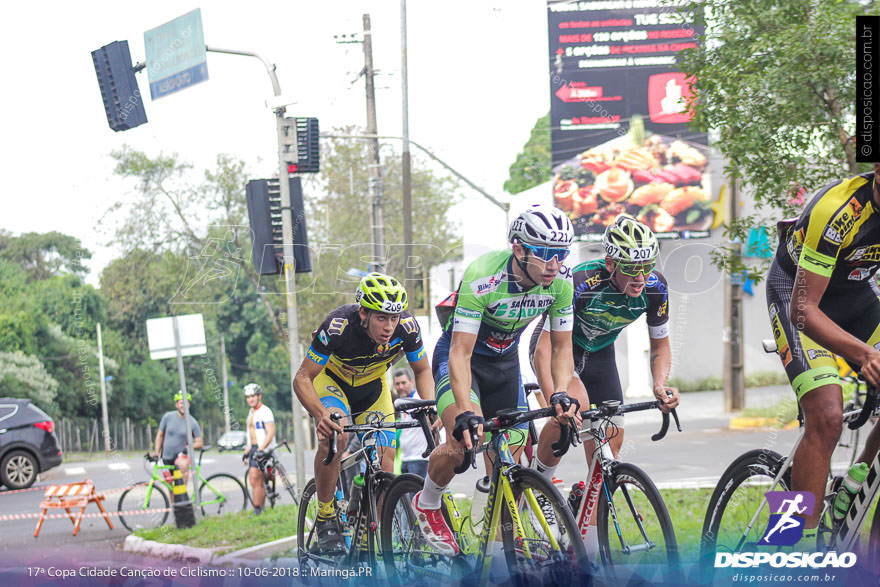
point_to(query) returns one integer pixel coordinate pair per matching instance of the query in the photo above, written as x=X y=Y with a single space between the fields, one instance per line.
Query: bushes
x=756 y=379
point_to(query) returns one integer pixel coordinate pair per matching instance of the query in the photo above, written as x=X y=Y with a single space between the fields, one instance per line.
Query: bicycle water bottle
x=357 y=486
x=849 y=488
x=575 y=497
x=481 y=497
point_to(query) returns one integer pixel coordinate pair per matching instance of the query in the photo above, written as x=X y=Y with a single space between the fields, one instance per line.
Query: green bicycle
x=539 y=533
x=145 y=505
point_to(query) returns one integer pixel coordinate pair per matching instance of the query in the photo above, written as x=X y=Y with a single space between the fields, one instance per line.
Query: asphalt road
x=695 y=457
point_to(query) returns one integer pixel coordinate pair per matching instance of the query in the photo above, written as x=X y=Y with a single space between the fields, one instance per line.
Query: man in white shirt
x=261 y=437
x=412 y=440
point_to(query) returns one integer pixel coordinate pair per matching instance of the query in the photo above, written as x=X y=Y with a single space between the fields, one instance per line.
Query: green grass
x=783 y=411
x=756 y=379
x=229 y=532
x=74 y=456
x=687 y=508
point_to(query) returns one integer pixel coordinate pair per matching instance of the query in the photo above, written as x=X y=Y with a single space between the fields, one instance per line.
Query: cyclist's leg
x=255 y=477
x=499 y=386
x=812 y=372
x=332 y=395
x=371 y=397
x=598 y=373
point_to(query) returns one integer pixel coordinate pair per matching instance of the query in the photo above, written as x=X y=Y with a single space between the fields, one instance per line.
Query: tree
x=532 y=165
x=24 y=376
x=775 y=82
x=43 y=255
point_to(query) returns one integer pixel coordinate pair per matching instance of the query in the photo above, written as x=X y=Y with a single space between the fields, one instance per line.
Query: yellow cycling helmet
x=381 y=293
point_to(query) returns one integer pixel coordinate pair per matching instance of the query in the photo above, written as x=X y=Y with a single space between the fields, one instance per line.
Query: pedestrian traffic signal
x=123 y=102
x=306 y=147
x=264 y=213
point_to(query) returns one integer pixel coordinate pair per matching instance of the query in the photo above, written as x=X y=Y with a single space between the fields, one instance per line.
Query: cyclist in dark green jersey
x=476 y=365
x=609 y=294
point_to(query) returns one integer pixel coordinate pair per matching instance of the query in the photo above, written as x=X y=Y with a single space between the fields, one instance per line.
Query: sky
x=477 y=83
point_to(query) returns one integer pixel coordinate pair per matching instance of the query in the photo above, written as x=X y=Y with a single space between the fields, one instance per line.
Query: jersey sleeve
x=561 y=311
x=412 y=338
x=658 y=306
x=833 y=222
x=469 y=306
x=267 y=414
x=327 y=338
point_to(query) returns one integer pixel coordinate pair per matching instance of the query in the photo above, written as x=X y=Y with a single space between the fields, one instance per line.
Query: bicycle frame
x=599 y=462
x=195 y=471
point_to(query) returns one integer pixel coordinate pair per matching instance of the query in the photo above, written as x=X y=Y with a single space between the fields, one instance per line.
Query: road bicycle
x=540 y=538
x=279 y=486
x=358 y=520
x=738 y=515
x=146 y=505
x=632 y=521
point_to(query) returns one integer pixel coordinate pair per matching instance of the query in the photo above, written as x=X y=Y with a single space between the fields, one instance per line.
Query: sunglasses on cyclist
x=635 y=269
x=547 y=253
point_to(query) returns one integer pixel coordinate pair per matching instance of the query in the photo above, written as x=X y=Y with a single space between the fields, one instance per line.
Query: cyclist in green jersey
x=476 y=365
x=609 y=294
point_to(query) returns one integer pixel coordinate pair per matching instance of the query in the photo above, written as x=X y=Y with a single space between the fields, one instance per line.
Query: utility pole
x=373 y=165
x=225 y=384
x=105 y=422
x=406 y=163
x=734 y=382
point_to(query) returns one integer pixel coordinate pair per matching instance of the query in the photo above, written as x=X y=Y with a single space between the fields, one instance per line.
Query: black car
x=28 y=445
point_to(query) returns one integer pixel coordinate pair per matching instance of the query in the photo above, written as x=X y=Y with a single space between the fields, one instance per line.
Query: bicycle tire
x=752 y=473
x=221 y=493
x=273 y=494
x=546 y=565
x=407 y=555
x=250 y=492
x=632 y=535
x=134 y=499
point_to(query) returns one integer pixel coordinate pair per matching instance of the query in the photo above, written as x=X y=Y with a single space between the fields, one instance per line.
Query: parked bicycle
x=632 y=521
x=358 y=508
x=147 y=505
x=738 y=514
x=279 y=486
x=537 y=528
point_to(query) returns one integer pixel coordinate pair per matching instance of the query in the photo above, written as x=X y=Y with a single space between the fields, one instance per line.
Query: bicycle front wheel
x=632 y=520
x=141 y=506
x=545 y=546
x=737 y=515
x=408 y=556
x=222 y=493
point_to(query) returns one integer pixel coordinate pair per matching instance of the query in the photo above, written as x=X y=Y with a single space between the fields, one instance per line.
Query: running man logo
x=786 y=524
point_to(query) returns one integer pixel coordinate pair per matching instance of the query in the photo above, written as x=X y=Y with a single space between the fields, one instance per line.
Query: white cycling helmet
x=543 y=226
x=252 y=389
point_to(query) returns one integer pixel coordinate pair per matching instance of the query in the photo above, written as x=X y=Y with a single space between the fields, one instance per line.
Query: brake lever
x=468 y=456
x=331 y=452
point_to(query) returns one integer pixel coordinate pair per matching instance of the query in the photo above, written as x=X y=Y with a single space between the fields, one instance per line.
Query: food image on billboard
x=662 y=181
x=618 y=117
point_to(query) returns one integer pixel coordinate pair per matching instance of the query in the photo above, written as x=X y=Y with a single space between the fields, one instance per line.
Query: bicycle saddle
x=403 y=404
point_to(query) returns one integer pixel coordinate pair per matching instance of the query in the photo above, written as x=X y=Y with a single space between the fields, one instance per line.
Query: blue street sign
x=176 y=54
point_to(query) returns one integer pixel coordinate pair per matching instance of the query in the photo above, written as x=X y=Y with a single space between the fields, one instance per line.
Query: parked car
x=232 y=440
x=28 y=445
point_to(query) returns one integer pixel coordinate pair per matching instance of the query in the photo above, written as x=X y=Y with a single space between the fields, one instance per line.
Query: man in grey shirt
x=171 y=436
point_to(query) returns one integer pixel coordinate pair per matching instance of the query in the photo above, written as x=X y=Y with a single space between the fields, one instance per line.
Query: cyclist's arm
x=303 y=386
x=805 y=315
x=198 y=443
x=661 y=361
x=424 y=378
x=561 y=359
x=460 y=350
x=160 y=439
x=542 y=365
x=270 y=435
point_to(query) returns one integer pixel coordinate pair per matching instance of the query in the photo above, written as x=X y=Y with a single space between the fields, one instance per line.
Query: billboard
x=619 y=134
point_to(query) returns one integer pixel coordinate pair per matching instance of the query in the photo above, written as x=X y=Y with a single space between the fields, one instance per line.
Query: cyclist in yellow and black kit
x=822 y=299
x=344 y=373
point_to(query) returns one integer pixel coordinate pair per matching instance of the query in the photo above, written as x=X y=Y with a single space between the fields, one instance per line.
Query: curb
x=745 y=423
x=243 y=557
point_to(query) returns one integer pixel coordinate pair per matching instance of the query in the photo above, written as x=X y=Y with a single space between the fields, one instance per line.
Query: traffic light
x=306 y=147
x=123 y=102
x=264 y=213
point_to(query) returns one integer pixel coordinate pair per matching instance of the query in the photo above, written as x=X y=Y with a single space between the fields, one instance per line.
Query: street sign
x=176 y=54
x=160 y=336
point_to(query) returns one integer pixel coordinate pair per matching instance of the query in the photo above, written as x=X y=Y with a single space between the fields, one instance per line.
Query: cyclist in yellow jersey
x=344 y=373
x=822 y=299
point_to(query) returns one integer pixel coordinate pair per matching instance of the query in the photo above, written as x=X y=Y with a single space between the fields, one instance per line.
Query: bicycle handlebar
x=867 y=408
x=613 y=408
x=420 y=414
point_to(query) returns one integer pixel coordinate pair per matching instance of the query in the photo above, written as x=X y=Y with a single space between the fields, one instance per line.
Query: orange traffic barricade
x=70 y=496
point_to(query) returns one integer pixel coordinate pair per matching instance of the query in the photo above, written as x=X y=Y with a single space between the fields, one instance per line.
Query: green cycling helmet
x=381 y=293
x=179 y=396
x=630 y=241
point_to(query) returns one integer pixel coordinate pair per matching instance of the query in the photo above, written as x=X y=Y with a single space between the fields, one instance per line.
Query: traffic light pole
x=287 y=230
